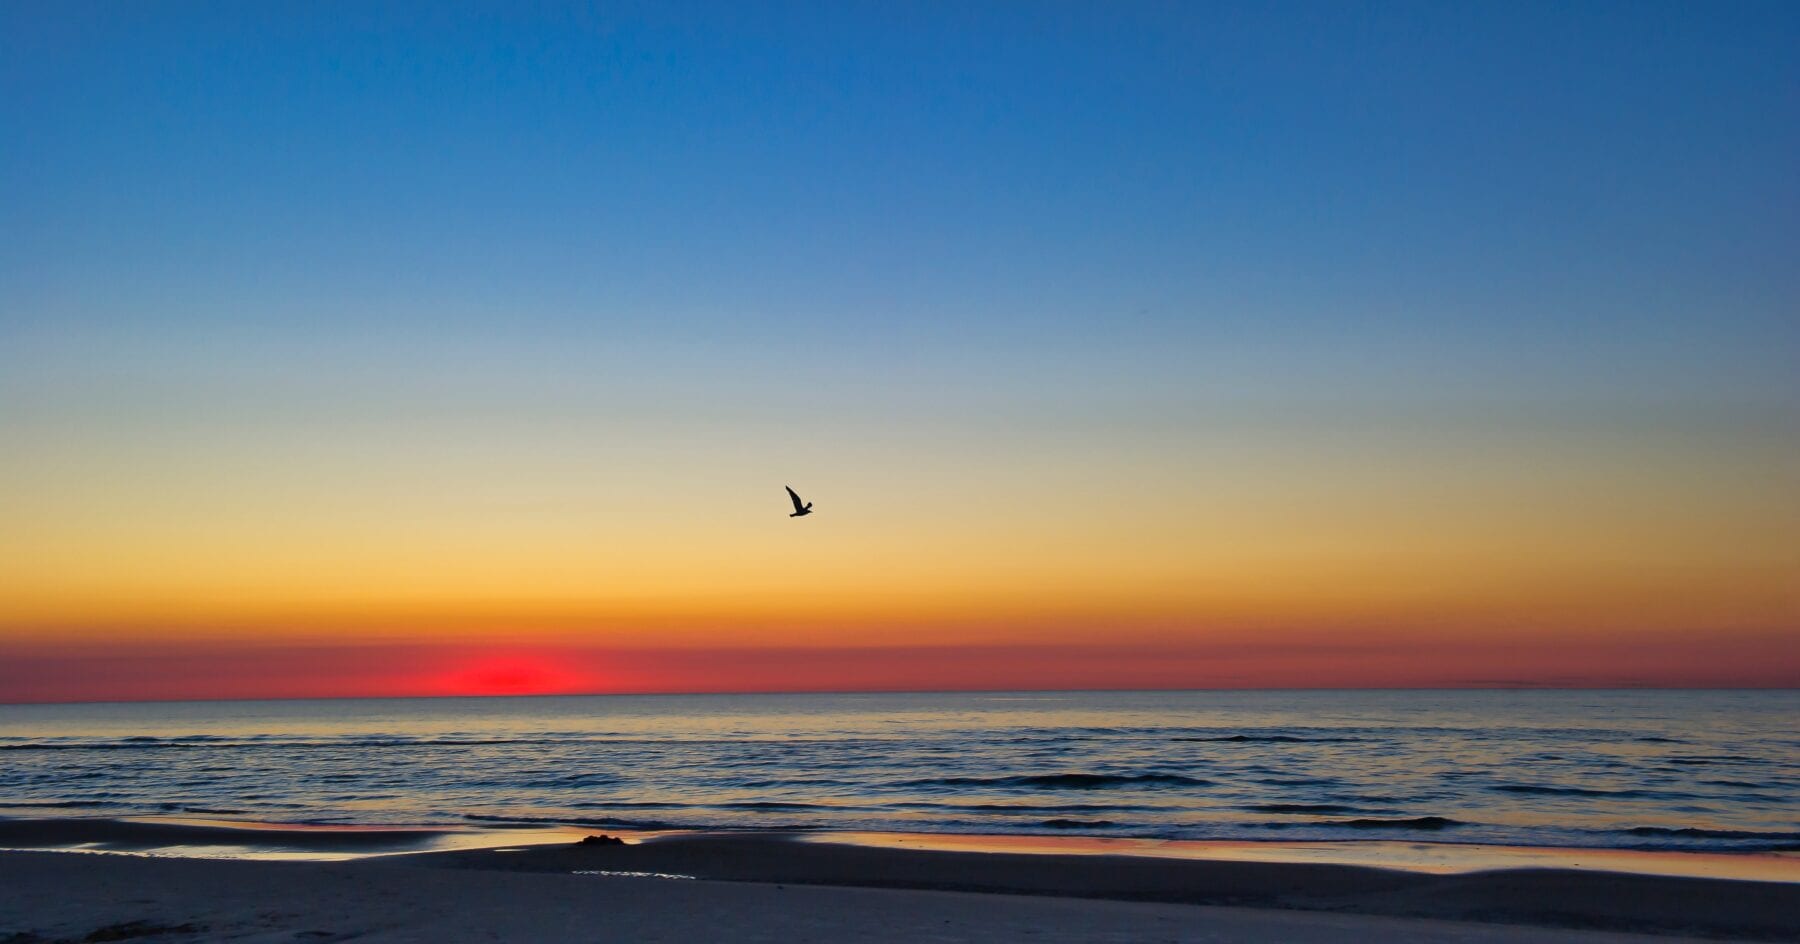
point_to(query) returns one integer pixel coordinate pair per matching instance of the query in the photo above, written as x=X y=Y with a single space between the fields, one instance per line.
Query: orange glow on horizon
x=1345 y=566
x=73 y=672
x=517 y=673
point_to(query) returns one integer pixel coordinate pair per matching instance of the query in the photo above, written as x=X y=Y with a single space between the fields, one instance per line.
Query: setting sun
x=518 y=674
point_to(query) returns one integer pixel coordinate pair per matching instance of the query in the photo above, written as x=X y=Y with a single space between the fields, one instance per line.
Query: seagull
x=799 y=507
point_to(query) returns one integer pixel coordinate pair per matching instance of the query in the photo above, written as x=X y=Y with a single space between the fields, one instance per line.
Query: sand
x=1537 y=897
x=96 y=897
x=761 y=888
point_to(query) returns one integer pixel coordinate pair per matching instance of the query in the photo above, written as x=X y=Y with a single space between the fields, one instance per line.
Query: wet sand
x=1562 y=898
x=1439 y=857
x=74 y=897
x=762 y=887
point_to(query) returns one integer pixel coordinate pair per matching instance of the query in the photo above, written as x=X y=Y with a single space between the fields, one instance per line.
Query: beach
x=699 y=887
x=983 y=817
x=57 y=897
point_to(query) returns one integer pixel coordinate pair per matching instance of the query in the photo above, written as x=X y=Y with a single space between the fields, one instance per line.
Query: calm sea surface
x=1631 y=769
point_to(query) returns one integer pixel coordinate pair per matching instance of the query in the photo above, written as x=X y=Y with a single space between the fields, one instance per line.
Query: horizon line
x=1546 y=687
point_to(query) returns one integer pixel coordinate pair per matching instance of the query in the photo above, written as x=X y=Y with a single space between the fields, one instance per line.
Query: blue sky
x=1326 y=253
x=1064 y=171
x=1586 y=204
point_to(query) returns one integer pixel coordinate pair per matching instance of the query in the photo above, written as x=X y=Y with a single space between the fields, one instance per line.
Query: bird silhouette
x=800 y=508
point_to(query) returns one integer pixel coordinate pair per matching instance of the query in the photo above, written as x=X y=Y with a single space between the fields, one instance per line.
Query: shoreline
x=1533 y=897
x=204 y=837
x=1042 y=869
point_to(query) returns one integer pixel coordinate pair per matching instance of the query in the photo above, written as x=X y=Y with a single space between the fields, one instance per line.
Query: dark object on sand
x=601 y=840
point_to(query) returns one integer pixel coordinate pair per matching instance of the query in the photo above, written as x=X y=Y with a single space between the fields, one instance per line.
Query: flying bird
x=800 y=508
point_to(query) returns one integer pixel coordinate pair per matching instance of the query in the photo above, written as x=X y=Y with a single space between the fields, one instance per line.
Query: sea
x=1675 y=770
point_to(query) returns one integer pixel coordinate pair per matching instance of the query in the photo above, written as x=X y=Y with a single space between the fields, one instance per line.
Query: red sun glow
x=515 y=674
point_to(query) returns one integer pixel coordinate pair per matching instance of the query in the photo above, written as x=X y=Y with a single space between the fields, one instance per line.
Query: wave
x=1268 y=739
x=1539 y=790
x=1694 y=833
x=1077 y=823
x=594 y=821
x=598 y=822
x=1417 y=822
x=629 y=805
x=730 y=805
x=1300 y=808
x=1029 y=807
x=1064 y=781
x=565 y=782
x=774 y=805
x=799 y=782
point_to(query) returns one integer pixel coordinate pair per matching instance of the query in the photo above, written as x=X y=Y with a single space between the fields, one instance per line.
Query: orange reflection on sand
x=322 y=842
x=1437 y=857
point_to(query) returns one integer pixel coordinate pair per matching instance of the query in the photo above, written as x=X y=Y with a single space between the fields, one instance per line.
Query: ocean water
x=1618 y=769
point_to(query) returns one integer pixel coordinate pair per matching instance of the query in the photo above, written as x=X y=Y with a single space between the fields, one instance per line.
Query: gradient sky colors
x=441 y=348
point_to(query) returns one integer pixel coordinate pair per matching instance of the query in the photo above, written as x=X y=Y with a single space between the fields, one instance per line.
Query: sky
x=424 y=349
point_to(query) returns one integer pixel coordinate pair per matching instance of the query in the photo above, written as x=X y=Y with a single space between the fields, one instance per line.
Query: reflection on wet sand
x=1442 y=858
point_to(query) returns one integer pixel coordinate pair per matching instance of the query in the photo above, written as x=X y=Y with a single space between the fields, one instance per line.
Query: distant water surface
x=1619 y=769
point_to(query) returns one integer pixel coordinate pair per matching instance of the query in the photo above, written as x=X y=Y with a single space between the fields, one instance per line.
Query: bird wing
x=793 y=496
